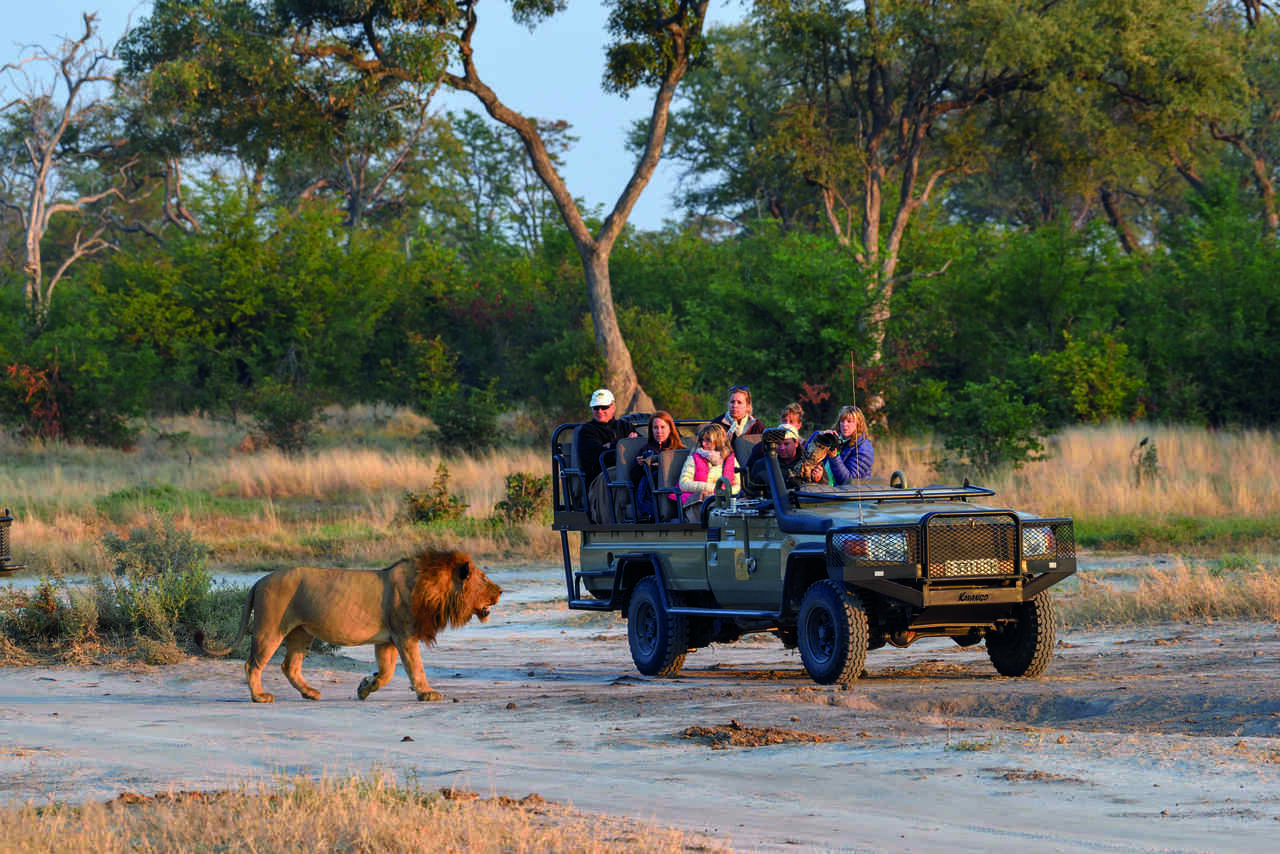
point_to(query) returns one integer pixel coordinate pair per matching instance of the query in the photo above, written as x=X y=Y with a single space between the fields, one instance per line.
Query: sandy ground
x=1157 y=738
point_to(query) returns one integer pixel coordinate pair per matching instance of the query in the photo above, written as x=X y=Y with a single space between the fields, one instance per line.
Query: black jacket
x=595 y=439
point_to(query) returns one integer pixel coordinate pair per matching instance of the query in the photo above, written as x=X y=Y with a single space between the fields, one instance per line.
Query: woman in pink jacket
x=709 y=461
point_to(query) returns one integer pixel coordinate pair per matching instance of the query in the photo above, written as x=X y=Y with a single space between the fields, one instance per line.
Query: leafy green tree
x=295 y=69
x=251 y=299
x=1202 y=320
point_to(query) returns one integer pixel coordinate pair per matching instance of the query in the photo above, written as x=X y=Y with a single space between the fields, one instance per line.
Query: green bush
x=466 y=420
x=287 y=416
x=528 y=496
x=1090 y=379
x=159 y=581
x=436 y=504
x=988 y=427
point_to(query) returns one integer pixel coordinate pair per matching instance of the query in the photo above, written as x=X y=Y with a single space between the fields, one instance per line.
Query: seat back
x=573 y=483
x=670 y=463
x=621 y=482
x=627 y=450
x=743 y=446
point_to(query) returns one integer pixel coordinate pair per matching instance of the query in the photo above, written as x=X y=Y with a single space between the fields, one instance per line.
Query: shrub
x=1090 y=379
x=528 y=495
x=436 y=504
x=988 y=427
x=49 y=403
x=51 y=613
x=466 y=420
x=160 y=581
x=286 y=415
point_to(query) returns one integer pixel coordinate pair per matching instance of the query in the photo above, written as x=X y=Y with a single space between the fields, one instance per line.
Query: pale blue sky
x=553 y=73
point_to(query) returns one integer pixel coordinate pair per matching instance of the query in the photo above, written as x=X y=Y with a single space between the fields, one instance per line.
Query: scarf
x=712 y=457
x=739 y=428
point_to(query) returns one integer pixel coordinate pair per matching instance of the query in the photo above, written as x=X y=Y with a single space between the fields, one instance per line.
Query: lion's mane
x=439 y=593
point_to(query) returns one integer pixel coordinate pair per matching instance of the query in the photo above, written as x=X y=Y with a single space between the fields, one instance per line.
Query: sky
x=553 y=73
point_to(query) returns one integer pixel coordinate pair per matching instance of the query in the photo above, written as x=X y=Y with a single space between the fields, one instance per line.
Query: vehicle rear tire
x=1024 y=647
x=833 y=633
x=659 y=641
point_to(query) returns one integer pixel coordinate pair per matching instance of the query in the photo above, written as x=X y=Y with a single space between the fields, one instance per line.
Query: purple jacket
x=853 y=461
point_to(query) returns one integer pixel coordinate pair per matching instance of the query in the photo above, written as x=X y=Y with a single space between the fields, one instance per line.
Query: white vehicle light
x=1037 y=542
x=891 y=548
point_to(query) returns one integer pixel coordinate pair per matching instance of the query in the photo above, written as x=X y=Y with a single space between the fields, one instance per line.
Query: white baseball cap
x=792 y=432
x=601 y=397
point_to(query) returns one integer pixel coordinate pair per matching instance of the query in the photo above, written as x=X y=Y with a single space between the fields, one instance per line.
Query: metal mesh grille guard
x=968 y=546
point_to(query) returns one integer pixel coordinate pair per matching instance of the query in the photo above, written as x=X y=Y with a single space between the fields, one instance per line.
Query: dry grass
x=1177 y=593
x=355 y=815
x=1090 y=474
x=343 y=503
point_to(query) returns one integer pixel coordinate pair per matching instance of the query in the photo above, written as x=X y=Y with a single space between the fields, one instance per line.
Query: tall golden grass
x=343 y=502
x=1090 y=472
x=355 y=815
x=1172 y=594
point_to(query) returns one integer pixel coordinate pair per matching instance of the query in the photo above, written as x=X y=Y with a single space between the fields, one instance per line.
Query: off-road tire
x=833 y=633
x=659 y=641
x=1024 y=647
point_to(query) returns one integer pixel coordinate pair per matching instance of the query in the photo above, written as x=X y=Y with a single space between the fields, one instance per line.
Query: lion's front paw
x=366 y=688
x=264 y=698
x=430 y=696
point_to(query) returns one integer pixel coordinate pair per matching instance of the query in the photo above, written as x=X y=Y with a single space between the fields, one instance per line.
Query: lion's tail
x=199 y=636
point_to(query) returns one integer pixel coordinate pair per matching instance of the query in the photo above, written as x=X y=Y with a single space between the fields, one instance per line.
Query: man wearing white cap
x=601 y=434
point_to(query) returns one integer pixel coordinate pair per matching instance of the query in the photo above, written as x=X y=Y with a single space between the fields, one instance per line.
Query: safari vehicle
x=836 y=571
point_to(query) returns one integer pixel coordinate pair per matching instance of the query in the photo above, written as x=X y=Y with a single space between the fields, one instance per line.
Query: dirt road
x=1161 y=738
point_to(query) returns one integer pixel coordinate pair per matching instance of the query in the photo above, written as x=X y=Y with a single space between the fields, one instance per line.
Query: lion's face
x=478 y=592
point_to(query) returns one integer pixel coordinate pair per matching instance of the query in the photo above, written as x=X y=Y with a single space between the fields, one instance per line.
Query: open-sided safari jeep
x=836 y=571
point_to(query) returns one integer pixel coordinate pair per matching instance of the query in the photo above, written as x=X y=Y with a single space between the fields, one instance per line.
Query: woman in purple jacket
x=854 y=456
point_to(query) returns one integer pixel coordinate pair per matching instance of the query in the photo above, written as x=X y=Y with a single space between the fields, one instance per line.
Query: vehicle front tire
x=659 y=641
x=1023 y=648
x=833 y=633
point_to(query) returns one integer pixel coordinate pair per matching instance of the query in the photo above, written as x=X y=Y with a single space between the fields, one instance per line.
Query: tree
x=55 y=139
x=877 y=110
x=253 y=70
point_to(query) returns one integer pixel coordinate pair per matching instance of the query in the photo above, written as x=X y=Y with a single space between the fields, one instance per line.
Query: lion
x=394 y=609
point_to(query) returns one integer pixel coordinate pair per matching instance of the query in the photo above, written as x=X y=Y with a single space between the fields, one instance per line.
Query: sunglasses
x=601 y=408
x=734 y=388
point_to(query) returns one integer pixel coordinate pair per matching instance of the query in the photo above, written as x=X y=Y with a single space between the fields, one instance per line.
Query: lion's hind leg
x=296 y=644
x=385 y=654
x=261 y=648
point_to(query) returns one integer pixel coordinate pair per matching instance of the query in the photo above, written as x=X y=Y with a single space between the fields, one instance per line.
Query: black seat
x=573 y=482
x=622 y=490
x=666 y=484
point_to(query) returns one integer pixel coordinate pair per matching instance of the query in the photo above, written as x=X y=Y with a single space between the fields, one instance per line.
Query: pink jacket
x=700 y=470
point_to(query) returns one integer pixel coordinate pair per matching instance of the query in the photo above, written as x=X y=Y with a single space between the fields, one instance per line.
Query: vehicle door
x=744 y=559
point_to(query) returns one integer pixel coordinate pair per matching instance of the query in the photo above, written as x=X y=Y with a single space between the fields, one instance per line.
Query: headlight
x=1037 y=542
x=888 y=548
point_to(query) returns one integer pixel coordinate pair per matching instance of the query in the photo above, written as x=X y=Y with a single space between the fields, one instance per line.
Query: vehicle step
x=594 y=573
x=589 y=605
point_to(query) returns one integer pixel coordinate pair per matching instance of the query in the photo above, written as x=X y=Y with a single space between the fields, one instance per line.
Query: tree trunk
x=594 y=249
x=620 y=375
x=1128 y=240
